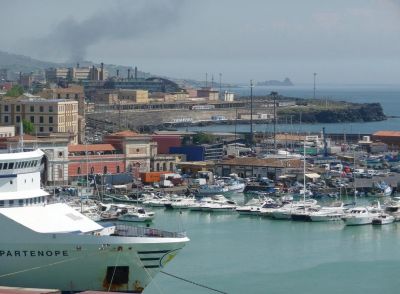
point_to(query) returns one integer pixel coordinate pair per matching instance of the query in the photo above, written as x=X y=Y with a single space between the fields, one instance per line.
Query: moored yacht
x=51 y=245
x=359 y=216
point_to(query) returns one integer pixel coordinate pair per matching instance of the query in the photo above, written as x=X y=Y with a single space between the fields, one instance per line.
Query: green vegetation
x=28 y=127
x=15 y=91
x=203 y=138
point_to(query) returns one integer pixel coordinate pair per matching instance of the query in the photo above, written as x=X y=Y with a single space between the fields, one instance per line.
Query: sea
x=246 y=254
x=387 y=95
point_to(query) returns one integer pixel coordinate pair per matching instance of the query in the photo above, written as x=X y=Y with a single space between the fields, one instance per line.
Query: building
x=55 y=160
x=73 y=92
x=258 y=167
x=7 y=131
x=135 y=96
x=165 y=142
x=48 y=115
x=205 y=152
x=106 y=97
x=53 y=75
x=166 y=162
x=228 y=96
x=391 y=138
x=208 y=93
x=91 y=159
x=135 y=147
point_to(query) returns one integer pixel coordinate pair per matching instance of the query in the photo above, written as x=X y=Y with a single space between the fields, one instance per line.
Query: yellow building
x=48 y=115
x=137 y=96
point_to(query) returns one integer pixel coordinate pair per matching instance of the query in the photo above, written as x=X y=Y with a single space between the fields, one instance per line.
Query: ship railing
x=136 y=231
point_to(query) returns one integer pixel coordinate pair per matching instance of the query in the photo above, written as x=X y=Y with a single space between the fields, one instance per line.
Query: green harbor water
x=246 y=254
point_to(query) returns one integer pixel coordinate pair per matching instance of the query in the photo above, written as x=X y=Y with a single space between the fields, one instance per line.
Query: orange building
x=94 y=159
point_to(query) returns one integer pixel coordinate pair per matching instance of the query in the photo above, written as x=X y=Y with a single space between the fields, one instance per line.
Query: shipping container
x=152 y=177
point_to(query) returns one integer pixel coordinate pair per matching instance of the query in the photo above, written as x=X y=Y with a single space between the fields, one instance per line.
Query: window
x=10 y=202
x=79 y=171
x=50 y=129
x=1 y=202
x=6 y=118
x=32 y=108
x=41 y=129
x=18 y=108
x=92 y=170
x=1 y=165
x=32 y=118
x=21 y=202
x=5 y=107
x=67 y=96
x=5 y=164
x=18 y=119
x=104 y=169
x=11 y=165
x=41 y=109
x=50 y=119
x=117 y=169
x=76 y=96
x=58 y=95
x=41 y=120
x=50 y=108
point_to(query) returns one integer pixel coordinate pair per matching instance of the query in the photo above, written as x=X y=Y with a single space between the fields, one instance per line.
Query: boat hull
x=76 y=266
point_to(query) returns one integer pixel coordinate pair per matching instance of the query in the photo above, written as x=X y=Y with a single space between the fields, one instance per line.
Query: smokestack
x=117 y=73
x=93 y=73
x=102 y=71
x=77 y=65
x=129 y=73
x=135 y=72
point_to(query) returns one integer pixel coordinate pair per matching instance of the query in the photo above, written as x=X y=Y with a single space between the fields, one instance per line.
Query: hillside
x=20 y=63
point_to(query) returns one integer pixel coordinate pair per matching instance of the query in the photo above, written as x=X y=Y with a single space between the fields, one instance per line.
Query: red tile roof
x=91 y=147
x=387 y=133
x=126 y=133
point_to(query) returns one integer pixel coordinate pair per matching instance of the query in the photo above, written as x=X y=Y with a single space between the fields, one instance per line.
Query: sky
x=343 y=41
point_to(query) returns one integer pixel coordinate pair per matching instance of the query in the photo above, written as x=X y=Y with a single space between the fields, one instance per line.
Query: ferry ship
x=45 y=244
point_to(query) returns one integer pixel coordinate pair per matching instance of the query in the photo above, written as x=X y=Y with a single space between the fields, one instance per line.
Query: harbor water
x=249 y=254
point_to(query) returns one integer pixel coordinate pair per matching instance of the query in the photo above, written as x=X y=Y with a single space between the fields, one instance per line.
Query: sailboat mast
x=304 y=171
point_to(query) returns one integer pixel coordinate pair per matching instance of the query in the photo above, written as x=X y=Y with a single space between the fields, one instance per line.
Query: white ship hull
x=75 y=262
x=355 y=221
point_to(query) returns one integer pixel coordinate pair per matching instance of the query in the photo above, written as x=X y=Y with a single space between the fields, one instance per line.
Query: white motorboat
x=252 y=207
x=359 y=216
x=138 y=214
x=207 y=190
x=329 y=213
x=48 y=244
x=383 y=219
x=181 y=203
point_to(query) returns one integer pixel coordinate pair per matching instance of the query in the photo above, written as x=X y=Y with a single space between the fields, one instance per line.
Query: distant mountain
x=285 y=82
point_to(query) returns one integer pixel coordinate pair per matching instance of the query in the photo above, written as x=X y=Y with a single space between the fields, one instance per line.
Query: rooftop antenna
x=220 y=86
x=206 y=80
x=212 y=81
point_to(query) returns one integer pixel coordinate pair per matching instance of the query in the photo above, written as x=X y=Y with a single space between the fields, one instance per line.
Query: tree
x=203 y=138
x=15 y=91
x=28 y=127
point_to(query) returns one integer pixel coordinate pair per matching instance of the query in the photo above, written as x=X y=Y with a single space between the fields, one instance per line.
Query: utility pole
x=251 y=112
x=220 y=86
x=274 y=96
x=315 y=77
